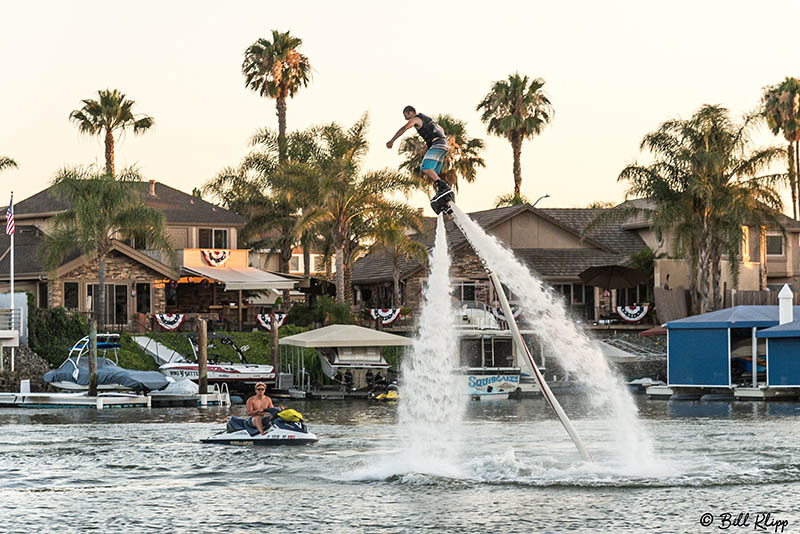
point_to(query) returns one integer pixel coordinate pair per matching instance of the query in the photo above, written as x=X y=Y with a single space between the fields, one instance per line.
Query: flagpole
x=12 y=283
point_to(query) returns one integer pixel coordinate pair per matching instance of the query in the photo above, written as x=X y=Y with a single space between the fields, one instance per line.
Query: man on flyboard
x=436 y=140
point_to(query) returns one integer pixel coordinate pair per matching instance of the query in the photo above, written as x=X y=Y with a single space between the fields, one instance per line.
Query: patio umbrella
x=613 y=277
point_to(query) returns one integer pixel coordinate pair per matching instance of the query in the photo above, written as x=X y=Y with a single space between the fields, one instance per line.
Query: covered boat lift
x=704 y=352
x=342 y=347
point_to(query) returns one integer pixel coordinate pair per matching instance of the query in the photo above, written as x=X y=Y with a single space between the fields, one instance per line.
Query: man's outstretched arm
x=401 y=131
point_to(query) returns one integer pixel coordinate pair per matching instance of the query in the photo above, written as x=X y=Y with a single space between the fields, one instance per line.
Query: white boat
x=238 y=376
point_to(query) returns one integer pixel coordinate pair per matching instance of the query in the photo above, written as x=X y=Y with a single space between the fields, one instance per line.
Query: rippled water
x=137 y=470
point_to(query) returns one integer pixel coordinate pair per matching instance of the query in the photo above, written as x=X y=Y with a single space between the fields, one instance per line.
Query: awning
x=345 y=335
x=242 y=277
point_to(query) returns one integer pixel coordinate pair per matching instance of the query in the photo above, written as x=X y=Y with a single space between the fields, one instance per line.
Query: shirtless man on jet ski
x=436 y=141
x=257 y=407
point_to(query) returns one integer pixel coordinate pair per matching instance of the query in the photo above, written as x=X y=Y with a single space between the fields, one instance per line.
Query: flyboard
x=445 y=202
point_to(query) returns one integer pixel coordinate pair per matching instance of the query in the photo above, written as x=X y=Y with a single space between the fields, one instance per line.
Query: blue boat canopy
x=790 y=329
x=736 y=317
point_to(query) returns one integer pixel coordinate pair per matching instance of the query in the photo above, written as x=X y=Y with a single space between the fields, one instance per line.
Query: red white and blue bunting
x=216 y=258
x=169 y=321
x=266 y=321
x=633 y=314
x=385 y=315
x=500 y=316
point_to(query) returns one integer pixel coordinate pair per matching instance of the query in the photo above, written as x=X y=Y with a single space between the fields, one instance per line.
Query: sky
x=614 y=71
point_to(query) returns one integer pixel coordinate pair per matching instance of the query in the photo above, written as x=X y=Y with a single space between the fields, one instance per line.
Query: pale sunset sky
x=614 y=71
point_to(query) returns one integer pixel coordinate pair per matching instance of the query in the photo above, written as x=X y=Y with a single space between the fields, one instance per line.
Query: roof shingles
x=555 y=263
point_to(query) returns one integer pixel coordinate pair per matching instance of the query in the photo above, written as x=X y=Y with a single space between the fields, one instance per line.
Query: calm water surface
x=137 y=470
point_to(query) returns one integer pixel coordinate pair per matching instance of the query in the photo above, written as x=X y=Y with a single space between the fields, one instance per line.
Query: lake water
x=134 y=470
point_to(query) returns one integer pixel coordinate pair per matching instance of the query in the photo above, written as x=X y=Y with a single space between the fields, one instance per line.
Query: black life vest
x=430 y=131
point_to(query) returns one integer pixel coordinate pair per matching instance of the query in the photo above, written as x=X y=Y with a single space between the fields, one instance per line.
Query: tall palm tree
x=110 y=113
x=101 y=205
x=276 y=69
x=705 y=184
x=516 y=109
x=781 y=108
x=349 y=200
x=391 y=237
x=462 y=161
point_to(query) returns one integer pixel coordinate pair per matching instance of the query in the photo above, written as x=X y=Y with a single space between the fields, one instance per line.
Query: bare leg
x=259 y=425
x=430 y=174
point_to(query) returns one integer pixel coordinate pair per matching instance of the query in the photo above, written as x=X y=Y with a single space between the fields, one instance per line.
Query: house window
x=465 y=291
x=116 y=297
x=212 y=238
x=136 y=241
x=744 y=250
x=171 y=295
x=143 y=298
x=774 y=245
x=577 y=294
x=71 y=295
x=43 y=295
x=294 y=264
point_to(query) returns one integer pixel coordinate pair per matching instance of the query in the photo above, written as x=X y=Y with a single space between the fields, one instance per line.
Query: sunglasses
x=259 y=389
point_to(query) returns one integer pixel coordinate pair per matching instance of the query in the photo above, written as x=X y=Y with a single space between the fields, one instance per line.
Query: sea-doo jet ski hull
x=240 y=431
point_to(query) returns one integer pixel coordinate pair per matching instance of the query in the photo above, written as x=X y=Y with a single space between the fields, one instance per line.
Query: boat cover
x=108 y=373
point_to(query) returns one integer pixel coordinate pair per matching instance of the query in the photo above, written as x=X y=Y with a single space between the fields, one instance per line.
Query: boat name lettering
x=482 y=381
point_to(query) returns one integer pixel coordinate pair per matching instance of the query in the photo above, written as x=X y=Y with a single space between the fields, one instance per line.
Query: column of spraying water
x=432 y=398
x=546 y=314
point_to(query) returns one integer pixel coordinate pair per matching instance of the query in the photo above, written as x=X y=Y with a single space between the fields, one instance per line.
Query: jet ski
x=283 y=427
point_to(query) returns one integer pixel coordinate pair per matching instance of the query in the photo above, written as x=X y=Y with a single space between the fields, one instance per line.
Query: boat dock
x=760 y=393
x=72 y=400
x=27 y=399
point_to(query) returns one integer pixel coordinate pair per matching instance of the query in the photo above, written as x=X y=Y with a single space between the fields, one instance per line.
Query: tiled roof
x=177 y=206
x=610 y=235
x=26 y=253
x=566 y=263
x=618 y=244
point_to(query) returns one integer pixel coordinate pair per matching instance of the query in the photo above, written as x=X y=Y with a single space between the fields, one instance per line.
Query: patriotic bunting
x=266 y=321
x=170 y=321
x=385 y=315
x=632 y=314
x=216 y=258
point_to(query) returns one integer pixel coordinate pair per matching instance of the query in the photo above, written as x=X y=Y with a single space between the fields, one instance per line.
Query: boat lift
x=446 y=203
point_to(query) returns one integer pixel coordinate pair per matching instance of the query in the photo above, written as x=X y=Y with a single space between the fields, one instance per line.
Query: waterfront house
x=209 y=278
x=549 y=241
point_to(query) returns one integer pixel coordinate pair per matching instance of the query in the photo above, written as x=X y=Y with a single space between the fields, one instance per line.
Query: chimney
x=153 y=187
x=785 y=311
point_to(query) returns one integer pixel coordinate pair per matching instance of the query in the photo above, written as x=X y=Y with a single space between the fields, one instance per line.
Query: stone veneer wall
x=120 y=269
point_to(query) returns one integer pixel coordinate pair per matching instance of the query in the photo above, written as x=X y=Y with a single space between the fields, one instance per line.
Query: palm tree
x=516 y=109
x=348 y=200
x=111 y=113
x=391 y=237
x=276 y=70
x=510 y=199
x=101 y=206
x=704 y=184
x=6 y=163
x=462 y=160
x=781 y=108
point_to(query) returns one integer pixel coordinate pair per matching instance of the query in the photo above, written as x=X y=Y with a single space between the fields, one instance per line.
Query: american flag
x=10 y=218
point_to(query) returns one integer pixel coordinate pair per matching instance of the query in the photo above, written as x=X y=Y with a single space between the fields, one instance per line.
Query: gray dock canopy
x=345 y=335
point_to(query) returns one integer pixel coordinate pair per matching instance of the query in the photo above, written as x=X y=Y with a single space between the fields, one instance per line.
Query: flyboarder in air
x=436 y=140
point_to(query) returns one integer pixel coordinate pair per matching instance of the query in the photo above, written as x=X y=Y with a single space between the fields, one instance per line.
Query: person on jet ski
x=258 y=407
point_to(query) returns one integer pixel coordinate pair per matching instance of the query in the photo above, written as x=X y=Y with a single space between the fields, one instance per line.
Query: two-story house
x=208 y=277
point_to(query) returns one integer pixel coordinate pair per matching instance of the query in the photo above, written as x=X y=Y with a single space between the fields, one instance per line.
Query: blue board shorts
x=433 y=159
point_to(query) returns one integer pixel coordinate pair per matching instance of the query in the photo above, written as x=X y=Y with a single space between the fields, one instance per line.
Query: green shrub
x=52 y=331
